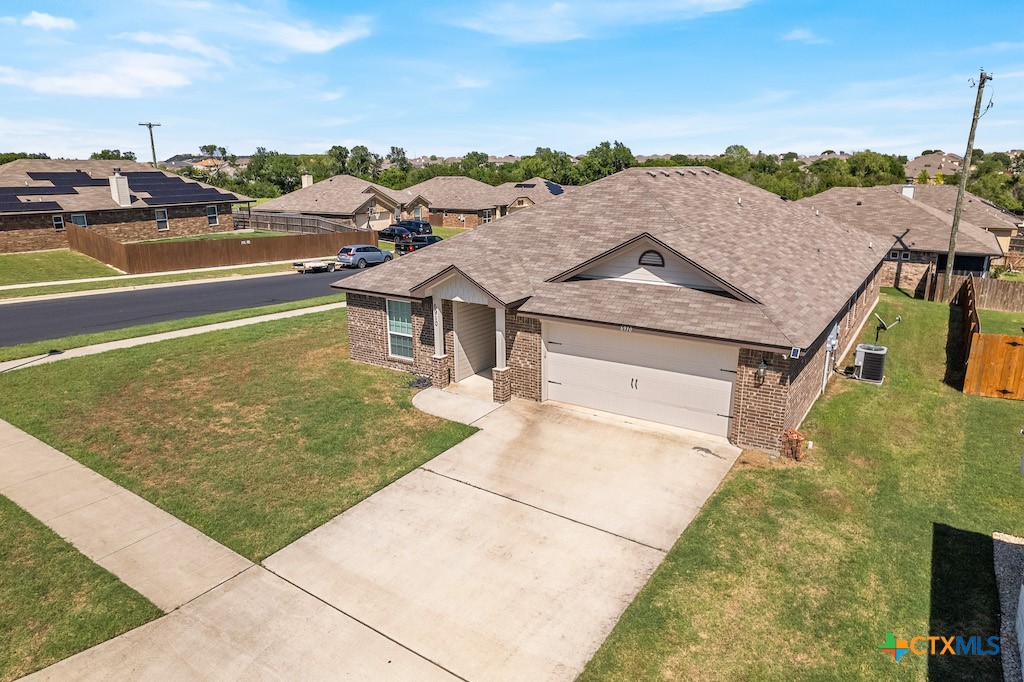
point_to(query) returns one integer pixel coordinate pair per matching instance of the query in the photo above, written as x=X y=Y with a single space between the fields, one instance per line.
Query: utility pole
x=152 y=145
x=965 y=170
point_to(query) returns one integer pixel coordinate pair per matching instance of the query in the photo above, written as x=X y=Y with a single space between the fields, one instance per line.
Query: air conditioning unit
x=869 y=362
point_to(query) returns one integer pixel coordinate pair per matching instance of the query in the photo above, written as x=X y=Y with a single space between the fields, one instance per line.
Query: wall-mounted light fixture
x=762 y=372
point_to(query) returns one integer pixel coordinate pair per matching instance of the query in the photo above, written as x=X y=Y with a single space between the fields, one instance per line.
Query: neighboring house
x=977 y=211
x=520 y=195
x=675 y=295
x=39 y=197
x=461 y=202
x=344 y=197
x=911 y=230
x=938 y=165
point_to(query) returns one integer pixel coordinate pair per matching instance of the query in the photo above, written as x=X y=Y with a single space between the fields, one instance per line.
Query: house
x=911 y=229
x=675 y=295
x=977 y=211
x=344 y=197
x=520 y=195
x=123 y=200
x=937 y=165
x=461 y=202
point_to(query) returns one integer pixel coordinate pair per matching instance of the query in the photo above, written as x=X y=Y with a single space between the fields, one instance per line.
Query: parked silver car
x=361 y=255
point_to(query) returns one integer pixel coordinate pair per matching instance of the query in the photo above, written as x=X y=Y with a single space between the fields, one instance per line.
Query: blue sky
x=446 y=77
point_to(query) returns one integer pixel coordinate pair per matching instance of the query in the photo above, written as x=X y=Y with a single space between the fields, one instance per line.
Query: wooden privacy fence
x=995 y=362
x=991 y=294
x=142 y=257
x=292 y=222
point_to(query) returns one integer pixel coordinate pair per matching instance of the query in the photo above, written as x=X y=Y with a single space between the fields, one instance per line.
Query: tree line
x=996 y=176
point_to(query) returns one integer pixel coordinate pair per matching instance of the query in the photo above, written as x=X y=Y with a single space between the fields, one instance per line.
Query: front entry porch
x=469 y=348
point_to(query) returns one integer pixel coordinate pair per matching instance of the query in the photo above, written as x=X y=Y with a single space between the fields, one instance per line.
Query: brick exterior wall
x=35 y=232
x=761 y=410
x=502 y=381
x=523 y=351
x=368 y=334
x=473 y=219
x=907 y=275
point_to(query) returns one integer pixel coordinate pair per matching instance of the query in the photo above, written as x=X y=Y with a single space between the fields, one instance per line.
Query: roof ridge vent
x=652 y=174
x=680 y=173
x=693 y=173
x=705 y=172
x=665 y=173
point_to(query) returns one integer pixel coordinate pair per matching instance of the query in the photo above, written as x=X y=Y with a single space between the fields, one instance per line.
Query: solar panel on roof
x=21 y=207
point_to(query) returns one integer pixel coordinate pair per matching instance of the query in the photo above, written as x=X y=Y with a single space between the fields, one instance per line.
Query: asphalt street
x=57 y=318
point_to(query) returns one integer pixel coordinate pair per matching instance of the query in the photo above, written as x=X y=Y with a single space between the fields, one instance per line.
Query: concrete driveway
x=512 y=555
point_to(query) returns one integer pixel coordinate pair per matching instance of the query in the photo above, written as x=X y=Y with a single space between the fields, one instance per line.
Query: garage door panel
x=680 y=382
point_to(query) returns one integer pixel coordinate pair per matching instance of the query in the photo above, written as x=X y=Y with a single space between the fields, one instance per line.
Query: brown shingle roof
x=537 y=190
x=341 y=195
x=976 y=210
x=934 y=164
x=884 y=212
x=458 y=193
x=799 y=268
x=30 y=182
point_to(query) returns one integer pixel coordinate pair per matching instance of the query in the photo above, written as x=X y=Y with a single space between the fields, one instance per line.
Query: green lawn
x=255 y=435
x=26 y=350
x=115 y=282
x=49 y=266
x=55 y=601
x=797 y=571
x=999 y=322
x=213 y=236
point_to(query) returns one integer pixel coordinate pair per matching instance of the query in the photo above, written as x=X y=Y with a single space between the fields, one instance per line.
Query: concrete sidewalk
x=162 y=558
x=11 y=365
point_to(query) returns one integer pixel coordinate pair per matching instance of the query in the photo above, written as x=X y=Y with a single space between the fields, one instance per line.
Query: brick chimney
x=307 y=180
x=119 y=191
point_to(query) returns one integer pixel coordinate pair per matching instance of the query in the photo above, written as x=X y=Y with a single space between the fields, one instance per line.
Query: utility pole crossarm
x=947 y=281
x=152 y=145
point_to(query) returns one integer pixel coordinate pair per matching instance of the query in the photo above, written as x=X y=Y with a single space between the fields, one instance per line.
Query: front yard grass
x=48 y=266
x=798 y=571
x=131 y=281
x=55 y=602
x=254 y=435
x=1000 y=322
x=26 y=350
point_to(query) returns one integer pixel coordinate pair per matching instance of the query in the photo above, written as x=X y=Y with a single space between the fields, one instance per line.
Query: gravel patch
x=1009 y=566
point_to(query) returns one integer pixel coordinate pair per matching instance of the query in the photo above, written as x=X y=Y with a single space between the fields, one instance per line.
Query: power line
x=152 y=145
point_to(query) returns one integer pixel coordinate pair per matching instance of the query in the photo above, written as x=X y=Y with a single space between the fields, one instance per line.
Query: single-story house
x=344 y=197
x=977 y=211
x=123 y=200
x=913 y=232
x=675 y=295
x=461 y=202
x=520 y=195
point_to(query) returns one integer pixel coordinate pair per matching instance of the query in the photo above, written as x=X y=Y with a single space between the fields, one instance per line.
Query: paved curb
x=12 y=365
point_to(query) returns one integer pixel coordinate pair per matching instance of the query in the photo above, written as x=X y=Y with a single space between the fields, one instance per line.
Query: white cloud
x=180 y=41
x=803 y=35
x=467 y=82
x=109 y=74
x=548 y=22
x=48 y=22
x=331 y=95
x=303 y=37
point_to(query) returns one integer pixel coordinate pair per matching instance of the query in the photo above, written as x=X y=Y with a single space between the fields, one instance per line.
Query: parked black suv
x=416 y=226
x=416 y=243
x=395 y=233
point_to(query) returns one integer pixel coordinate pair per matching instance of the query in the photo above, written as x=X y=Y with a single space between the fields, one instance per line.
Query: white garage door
x=671 y=381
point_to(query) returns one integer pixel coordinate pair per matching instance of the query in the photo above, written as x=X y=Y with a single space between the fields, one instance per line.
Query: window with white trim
x=162 y=223
x=212 y=215
x=79 y=219
x=400 y=329
x=652 y=259
x=58 y=223
x=487 y=215
x=893 y=255
x=905 y=255
x=416 y=212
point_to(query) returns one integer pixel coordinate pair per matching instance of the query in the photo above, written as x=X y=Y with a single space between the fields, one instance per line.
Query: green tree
x=397 y=158
x=923 y=178
x=604 y=160
x=473 y=161
x=360 y=161
x=208 y=149
x=6 y=157
x=339 y=155
x=113 y=155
